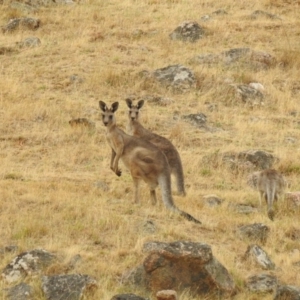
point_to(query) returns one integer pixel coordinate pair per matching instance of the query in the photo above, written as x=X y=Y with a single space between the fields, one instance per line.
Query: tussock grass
x=57 y=191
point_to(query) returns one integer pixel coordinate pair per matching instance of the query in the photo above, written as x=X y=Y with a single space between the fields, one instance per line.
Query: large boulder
x=27 y=263
x=177 y=77
x=188 y=31
x=23 y=23
x=256 y=232
x=260 y=257
x=262 y=283
x=183 y=265
x=21 y=291
x=69 y=287
x=254 y=59
x=287 y=292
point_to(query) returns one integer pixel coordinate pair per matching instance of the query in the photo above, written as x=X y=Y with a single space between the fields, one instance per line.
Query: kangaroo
x=271 y=185
x=136 y=129
x=143 y=160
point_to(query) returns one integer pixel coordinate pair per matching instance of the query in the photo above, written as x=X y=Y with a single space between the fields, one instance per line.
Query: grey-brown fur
x=143 y=160
x=271 y=185
x=136 y=129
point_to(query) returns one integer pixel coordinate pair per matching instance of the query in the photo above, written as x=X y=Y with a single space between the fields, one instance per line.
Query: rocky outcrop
x=27 y=263
x=67 y=286
x=262 y=283
x=254 y=59
x=29 y=42
x=177 y=77
x=255 y=232
x=188 y=31
x=21 y=291
x=182 y=265
x=22 y=23
x=244 y=161
x=259 y=256
x=287 y=292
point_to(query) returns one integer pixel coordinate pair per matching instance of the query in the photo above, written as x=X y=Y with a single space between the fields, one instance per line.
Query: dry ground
x=51 y=174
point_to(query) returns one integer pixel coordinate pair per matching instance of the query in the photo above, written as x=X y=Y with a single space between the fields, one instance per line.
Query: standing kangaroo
x=142 y=159
x=136 y=129
x=271 y=185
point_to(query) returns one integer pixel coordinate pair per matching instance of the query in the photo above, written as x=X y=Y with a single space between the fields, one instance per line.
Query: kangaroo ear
x=129 y=102
x=114 y=106
x=140 y=104
x=103 y=106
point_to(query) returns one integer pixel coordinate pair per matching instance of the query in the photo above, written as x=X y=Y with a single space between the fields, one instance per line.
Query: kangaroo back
x=271 y=185
x=173 y=157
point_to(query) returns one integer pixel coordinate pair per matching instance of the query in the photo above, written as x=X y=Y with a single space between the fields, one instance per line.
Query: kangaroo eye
x=110 y=117
x=137 y=112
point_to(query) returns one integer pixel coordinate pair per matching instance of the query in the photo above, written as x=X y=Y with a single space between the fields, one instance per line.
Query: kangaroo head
x=108 y=114
x=133 y=113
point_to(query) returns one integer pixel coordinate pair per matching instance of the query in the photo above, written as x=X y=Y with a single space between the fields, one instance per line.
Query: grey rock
x=70 y=287
x=212 y=200
x=76 y=78
x=262 y=283
x=287 y=292
x=198 y=119
x=182 y=265
x=188 y=31
x=248 y=160
x=30 y=42
x=74 y=261
x=261 y=159
x=206 y=18
x=242 y=208
x=23 y=7
x=27 y=263
x=22 y=291
x=257 y=254
x=149 y=227
x=260 y=13
x=248 y=94
x=24 y=23
x=256 y=60
x=254 y=232
x=177 y=77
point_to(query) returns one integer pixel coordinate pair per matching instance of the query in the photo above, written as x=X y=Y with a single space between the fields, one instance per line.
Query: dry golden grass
x=50 y=175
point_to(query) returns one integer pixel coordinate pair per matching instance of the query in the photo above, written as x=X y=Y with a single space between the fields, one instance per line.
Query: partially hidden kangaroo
x=136 y=129
x=143 y=160
x=271 y=185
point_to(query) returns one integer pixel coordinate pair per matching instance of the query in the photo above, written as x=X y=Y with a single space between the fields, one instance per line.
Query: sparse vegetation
x=57 y=191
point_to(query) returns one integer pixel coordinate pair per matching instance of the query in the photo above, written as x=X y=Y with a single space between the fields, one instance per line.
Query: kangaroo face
x=133 y=112
x=108 y=114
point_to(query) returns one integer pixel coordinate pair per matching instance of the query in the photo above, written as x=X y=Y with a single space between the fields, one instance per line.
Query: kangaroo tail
x=270 y=200
x=178 y=172
x=164 y=182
